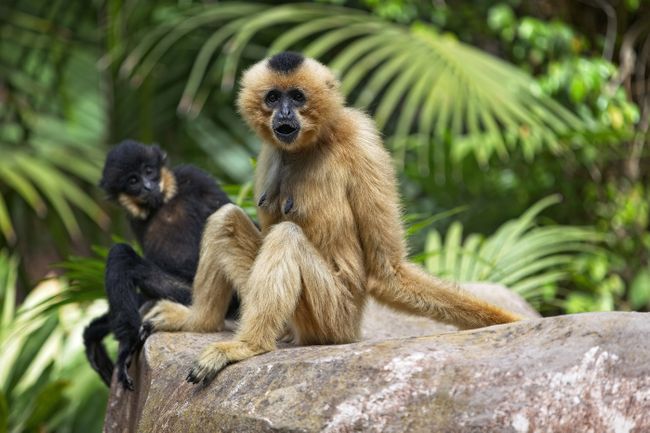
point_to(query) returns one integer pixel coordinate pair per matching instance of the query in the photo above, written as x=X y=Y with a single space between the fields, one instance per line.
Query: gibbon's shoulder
x=186 y=173
x=365 y=146
x=192 y=179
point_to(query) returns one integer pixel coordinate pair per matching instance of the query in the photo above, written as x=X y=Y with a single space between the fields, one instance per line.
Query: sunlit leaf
x=520 y=255
x=416 y=82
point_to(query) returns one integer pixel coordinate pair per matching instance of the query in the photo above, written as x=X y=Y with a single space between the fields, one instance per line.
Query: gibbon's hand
x=164 y=316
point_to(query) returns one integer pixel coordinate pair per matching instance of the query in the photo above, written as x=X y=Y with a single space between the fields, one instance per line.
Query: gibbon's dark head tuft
x=135 y=170
x=290 y=109
x=286 y=62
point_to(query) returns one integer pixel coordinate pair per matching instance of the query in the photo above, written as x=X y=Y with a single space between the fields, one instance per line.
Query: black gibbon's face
x=133 y=175
x=143 y=184
x=285 y=122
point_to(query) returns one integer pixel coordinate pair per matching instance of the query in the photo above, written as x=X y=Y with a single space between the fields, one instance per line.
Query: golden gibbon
x=330 y=234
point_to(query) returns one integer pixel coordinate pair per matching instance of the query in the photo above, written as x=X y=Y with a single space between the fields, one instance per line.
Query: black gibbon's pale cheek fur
x=167 y=210
x=331 y=234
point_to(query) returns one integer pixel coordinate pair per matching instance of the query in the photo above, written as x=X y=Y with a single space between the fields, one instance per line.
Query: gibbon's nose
x=147 y=185
x=285 y=110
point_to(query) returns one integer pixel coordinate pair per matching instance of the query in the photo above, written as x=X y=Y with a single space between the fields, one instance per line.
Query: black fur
x=286 y=61
x=170 y=237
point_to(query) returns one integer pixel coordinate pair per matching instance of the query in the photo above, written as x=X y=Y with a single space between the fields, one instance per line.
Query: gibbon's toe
x=208 y=366
x=146 y=329
x=124 y=379
x=165 y=316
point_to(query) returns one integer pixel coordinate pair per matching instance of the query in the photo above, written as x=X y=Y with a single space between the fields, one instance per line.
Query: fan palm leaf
x=51 y=120
x=423 y=88
x=519 y=255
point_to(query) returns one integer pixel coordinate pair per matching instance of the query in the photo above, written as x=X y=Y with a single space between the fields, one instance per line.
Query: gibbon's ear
x=162 y=155
x=333 y=84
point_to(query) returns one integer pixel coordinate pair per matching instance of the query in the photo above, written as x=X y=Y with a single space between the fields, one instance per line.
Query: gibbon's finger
x=206 y=370
x=288 y=205
x=124 y=379
x=146 y=329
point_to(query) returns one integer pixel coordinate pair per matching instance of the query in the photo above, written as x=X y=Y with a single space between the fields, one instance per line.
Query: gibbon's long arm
x=391 y=279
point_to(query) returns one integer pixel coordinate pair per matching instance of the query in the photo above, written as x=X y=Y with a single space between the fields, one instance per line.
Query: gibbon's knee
x=121 y=254
x=221 y=220
x=229 y=246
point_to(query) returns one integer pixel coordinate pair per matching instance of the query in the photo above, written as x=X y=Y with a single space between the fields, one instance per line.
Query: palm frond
x=519 y=255
x=40 y=357
x=424 y=88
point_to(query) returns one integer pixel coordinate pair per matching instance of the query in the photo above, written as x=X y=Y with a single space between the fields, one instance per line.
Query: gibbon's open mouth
x=286 y=132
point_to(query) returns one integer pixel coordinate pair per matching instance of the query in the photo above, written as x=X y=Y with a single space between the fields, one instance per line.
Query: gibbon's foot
x=288 y=337
x=218 y=356
x=146 y=329
x=165 y=316
x=211 y=362
x=124 y=378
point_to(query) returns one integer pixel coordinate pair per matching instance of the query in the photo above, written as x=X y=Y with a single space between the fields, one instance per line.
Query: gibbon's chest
x=311 y=195
x=172 y=232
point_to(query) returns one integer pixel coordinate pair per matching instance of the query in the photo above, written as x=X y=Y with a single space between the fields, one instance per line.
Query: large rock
x=587 y=373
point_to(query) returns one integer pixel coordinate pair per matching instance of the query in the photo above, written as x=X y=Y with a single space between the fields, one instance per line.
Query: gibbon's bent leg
x=158 y=284
x=96 y=353
x=289 y=280
x=125 y=271
x=124 y=303
x=229 y=246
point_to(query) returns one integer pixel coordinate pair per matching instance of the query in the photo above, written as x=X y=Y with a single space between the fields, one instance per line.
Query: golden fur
x=133 y=206
x=168 y=186
x=313 y=267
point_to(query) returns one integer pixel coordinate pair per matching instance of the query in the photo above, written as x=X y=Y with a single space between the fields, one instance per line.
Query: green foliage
x=52 y=122
x=527 y=258
x=44 y=377
x=407 y=90
x=534 y=42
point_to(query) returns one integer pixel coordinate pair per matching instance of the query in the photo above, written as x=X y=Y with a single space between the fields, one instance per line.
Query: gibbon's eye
x=272 y=97
x=297 y=95
x=148 y=170
x=133 y=180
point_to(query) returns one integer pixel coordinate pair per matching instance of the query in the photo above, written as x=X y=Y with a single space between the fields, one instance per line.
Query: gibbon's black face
x=285 y=123
x=134 y=170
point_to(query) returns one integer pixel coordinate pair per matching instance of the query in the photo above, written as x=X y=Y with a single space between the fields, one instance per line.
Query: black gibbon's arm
x=167 y=210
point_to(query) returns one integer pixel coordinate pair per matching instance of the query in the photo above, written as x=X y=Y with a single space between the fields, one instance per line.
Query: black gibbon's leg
x=124 y=355
x=126 y=271
x=157 y=284
x=95 y=350
x=124 y=303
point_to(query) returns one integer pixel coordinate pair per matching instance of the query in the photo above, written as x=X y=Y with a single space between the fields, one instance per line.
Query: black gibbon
x=167 y=210
x=331 y=233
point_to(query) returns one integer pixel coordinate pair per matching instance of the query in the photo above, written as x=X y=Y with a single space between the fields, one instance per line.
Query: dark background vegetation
x=519 y=130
